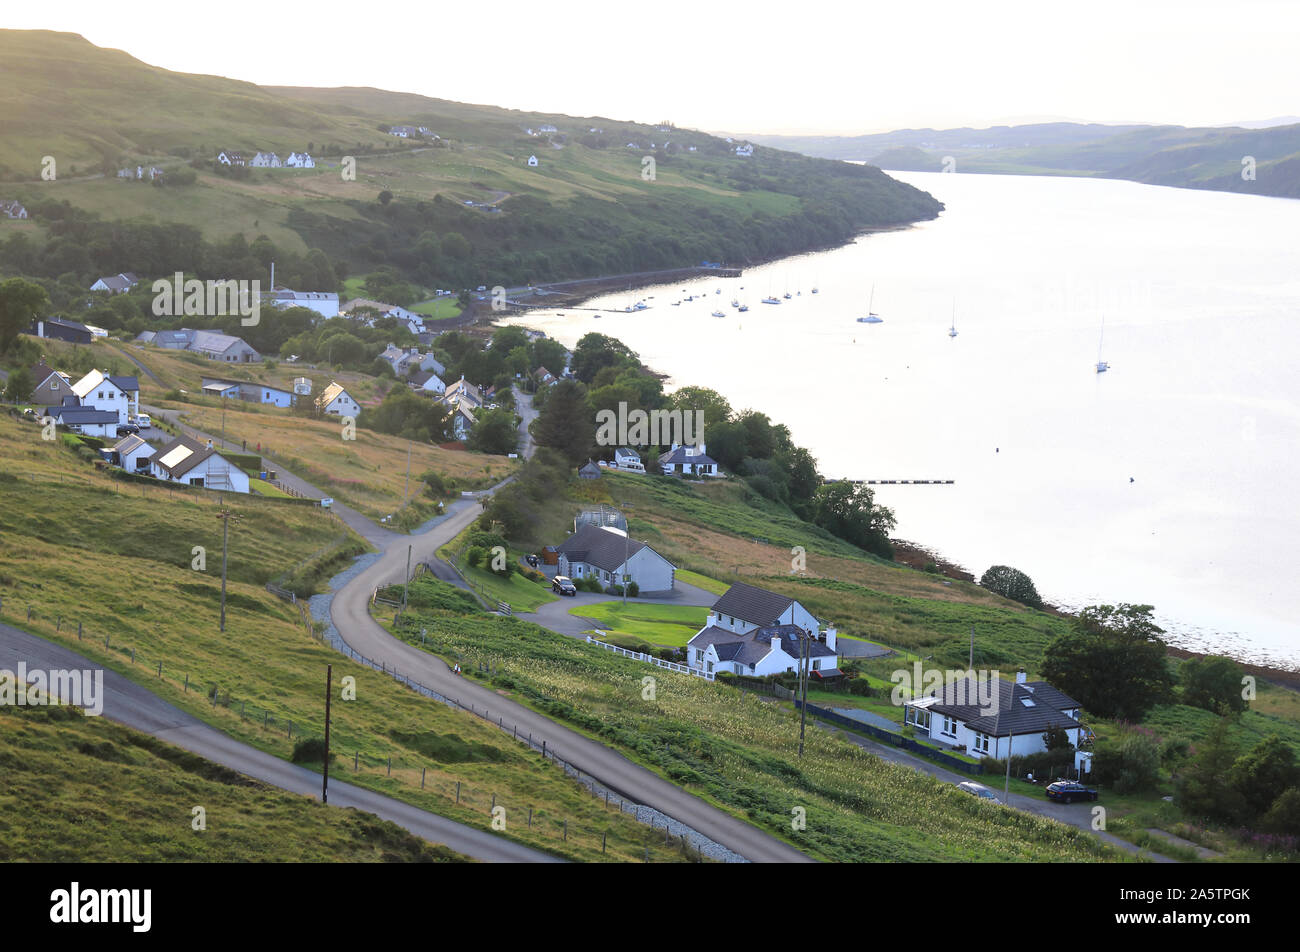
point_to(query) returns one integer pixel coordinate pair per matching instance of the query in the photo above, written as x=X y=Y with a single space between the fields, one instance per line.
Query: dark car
x=563 y=586
x=532 y=560
x=1067 y=791
x=126 y=429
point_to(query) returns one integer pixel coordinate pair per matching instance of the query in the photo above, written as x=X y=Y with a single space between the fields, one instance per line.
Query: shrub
x=1011 y=583
x=1130 y=765
x=475 y=555
x=859 y=687
x=310 y=750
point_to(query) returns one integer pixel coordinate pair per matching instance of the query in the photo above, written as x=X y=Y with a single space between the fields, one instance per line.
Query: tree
x=21 y=302
x=1262 y=773
x=1013 y=584
x=1056 y=738
x=1200 y=789
x=715 y=406
x=20 y=386
x=594 y=352
x=1213 y=683
x=565 y=423
x=850 y=513
x=1130 y=765
x=1283 y=817
x=385 y=197
x=494 y=432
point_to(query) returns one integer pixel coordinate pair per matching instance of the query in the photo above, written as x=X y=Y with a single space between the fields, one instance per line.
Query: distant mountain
x=1212 y=158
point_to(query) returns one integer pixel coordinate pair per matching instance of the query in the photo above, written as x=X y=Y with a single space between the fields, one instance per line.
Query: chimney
x=702 y=450
x=1020 y=677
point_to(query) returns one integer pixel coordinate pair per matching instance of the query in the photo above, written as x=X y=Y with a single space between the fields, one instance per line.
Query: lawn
x=668 y=625
x=438 y=309
x=85 y=790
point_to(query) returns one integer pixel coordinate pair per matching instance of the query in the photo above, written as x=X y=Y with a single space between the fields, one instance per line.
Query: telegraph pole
x=406 y=580
x=329 y=687
x=406 y=493
x=803 y=682
x=225 y=515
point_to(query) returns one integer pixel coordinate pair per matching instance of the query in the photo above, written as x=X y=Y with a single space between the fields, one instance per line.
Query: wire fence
x=662 y=839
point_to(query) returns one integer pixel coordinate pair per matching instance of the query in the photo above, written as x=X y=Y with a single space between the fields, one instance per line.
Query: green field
x=668 y=625
x=739 y=752
x=85 y=790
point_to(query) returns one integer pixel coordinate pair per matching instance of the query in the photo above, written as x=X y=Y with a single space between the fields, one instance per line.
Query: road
x=350 y=613
x=134 y=706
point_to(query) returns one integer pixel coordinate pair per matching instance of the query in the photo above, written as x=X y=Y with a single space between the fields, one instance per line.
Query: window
x=817 y=664
x=982 y=743
x=949 y=727
x=54 y=383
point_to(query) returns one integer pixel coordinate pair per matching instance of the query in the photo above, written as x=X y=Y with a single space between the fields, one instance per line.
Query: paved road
x=128 y=703
x=524 y=406
x=350 y=613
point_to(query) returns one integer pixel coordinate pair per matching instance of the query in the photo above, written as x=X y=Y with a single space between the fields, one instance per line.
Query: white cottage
x=336 y=401
x=739 y=634
x=608 y=554
x=185 y=460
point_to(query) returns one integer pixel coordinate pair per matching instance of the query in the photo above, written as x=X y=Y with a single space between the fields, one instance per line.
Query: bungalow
x=462 y=421
x=753 y=631
x=265 y=160
x=197 y=464
x=688 y=461
x=404 y=132
x=532 y=161
x=1015 y=717
x=427 y=382
x=132 y=453
x=119 y=395
x=299 y=160
x=117 y=283
x=12 y=209
x=544 y=377
x=85 y=420
x=250 y=391
x=336 y=401
x=58 y=328
x=628 y=459
x=464 y=392
x=231 y=157
x=51 y=385
x=215 y=345
x=609 y=554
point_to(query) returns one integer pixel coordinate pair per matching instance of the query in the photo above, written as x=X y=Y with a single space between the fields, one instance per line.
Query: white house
x=428 y=383
x=688 y=461
x=217 y=346
x=404 y=132
x=299 y=160
x=99 y=391
x=12 y=209
x=337 y=401
x=266 y=160
x=532 y=161
x=432 y=364
x=547 y=127
x=464 y=393
x=248 y=390
x=302 y=386
x=185 y=460
x=608 y=554
x=324 y=303
x=744 y=151
x=117 y=283
x=132 y=453
x=750 y=630
x=629 y=460
x=462 y=420
x=231 y=157
x=85 y=420
x=1001 y=717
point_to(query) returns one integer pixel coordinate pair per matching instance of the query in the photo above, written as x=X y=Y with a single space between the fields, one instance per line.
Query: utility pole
x=627 y=541
x=971 y=663
x=406 y=580
x=1006 y=789
x=803 y=682
x=329 y=688
x=225 y=515
x=406 y=493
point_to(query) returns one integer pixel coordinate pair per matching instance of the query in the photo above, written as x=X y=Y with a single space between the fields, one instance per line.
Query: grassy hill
x=1157 y=155
x=591 y=206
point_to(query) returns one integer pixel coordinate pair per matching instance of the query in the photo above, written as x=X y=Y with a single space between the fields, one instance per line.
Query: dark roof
x=1010 y=714
x=599 y=547
x=200 y=452
x=126 y=383
x=589 y=469
x=753 y=646
x=679 y=456
x=41 y=373
x=754 y=605
x=82 y=415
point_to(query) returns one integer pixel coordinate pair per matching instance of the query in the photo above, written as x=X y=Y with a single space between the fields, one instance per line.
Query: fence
x=542 y=828
x=651 y=659
x=898 y=740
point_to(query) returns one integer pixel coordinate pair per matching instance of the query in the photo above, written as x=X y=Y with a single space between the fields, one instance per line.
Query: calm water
x=1200 y=295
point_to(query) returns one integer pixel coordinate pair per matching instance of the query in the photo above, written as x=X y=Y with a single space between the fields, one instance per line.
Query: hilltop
x=456 y=205
x=1210 y=158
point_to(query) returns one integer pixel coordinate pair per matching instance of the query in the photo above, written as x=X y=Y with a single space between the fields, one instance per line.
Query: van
x=143 y=421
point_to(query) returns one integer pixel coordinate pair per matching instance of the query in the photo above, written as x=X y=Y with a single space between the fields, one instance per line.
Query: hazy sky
x=812 y=66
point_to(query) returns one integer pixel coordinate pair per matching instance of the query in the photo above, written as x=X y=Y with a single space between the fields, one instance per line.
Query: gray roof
x=81 y=415
x=754 y=605
x=201 y=451
x=129 y=444
x=182 y=336
x=753 y=646
x=1013 y=716
x=215 y=342
x=678 y=456
x=126 y=383
x=599 y=547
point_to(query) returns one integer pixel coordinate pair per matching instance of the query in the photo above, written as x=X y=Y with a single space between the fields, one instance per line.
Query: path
x=126 y=702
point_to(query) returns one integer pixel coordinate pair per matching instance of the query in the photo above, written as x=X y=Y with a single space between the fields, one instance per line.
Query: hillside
x=606 y=196
x=1209 y=158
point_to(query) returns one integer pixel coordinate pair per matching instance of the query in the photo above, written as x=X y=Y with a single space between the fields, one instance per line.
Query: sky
x=815 y=67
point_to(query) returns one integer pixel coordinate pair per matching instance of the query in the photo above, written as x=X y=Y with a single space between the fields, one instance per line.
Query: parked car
x=532 y=560
x=1067 y=791
x=126 y=429
x=976 y=790
x=29 y=412
x=563 y=585
x=143 y=420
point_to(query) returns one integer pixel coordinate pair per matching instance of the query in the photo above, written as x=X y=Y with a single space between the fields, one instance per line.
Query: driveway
x=555 y=615
x=132 y=705
x=524 y=407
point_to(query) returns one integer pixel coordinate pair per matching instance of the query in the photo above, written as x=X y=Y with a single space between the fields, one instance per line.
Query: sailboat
x=771 y=298
x=1102 y=366
x=952 y=331
x=872 y=317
